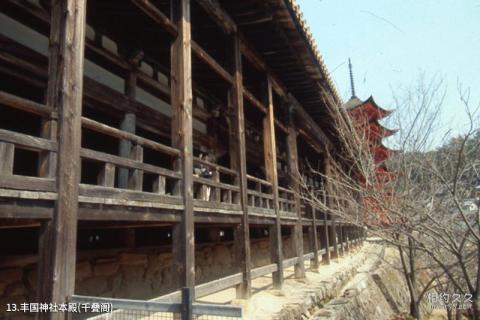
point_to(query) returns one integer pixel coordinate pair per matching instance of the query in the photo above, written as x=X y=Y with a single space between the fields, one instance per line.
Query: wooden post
x=238 y=160
x=292 y=162
x=328 y=190
x=128 y=125
x=314 y=241
x=58 y=237
x=326 y=238
x=106 y=176
x=6 y=156
x=181 y=100
x=270 y=152
x=342 y=239
x=135 y=176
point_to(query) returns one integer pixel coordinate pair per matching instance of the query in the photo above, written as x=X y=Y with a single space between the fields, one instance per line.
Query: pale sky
x=391 y=41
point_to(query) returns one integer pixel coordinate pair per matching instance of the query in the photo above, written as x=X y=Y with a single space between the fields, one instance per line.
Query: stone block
x=93 y=286
x=105 y=268
x=133 y=259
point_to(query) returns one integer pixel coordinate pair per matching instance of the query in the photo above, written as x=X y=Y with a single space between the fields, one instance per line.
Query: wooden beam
x=238 y=160
x=156 y=15
x=219 y=15
x=182 y=130
x=64 y=95
x=210 y=61
x=270 y=152
x=294 y=174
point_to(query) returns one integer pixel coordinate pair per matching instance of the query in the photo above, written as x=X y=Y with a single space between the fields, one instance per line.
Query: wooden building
x=175 y=126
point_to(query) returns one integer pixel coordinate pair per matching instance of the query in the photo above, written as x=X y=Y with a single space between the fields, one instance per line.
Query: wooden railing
x=260 y=195
x=286 y=202
x=163 y=181
x=221 y=187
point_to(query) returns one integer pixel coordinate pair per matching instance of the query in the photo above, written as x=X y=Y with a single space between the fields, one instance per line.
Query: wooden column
x=181 y=100
x=314 y=241
x=57 y=252
x=270 y=152
x=292 y=162
x=326 y=238
x=238 y=160
x=128 y=125
x=340 y=231
x=328 y=191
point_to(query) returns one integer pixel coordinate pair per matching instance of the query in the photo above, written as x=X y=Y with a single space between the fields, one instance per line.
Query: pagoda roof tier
x=368 y=110
x=375 y=131
x=381 y=153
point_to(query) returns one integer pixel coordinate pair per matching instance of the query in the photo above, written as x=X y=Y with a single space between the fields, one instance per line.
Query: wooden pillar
x=57 y=251
x=270 y=152
x=340 y=230
x=329 y=195
x=238 y=160
x=314 y=240
x=181 y=100
x=128 y=125
x=292 y=162
x=326 y=238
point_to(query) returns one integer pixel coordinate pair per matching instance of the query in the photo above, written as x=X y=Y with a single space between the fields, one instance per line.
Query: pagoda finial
x=352 y=84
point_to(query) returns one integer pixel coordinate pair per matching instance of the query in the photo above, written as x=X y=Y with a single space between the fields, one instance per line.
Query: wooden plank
x=124 y=213
x=238 y=160
x=181 y=101
x=214 y=184
x=27 y=183
x=287 y=263
x=264 y=270
x=270 y=153
x=208 y=288
x=64 y=95
x=7 y=152
x=21 y=210
x=111 y=194
x=293 y=175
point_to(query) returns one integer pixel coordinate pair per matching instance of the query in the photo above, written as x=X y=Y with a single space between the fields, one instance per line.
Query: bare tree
x=420 y=206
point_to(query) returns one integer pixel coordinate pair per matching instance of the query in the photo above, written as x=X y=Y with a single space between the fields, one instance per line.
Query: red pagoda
x=365 y=116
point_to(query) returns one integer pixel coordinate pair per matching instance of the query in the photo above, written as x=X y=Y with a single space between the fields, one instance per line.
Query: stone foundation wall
x=133 y=273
